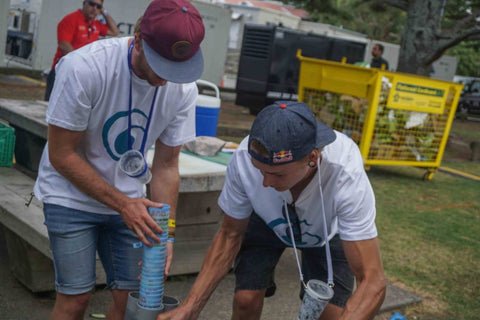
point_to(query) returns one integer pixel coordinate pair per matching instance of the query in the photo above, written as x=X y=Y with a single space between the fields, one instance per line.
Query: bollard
x=135 y=312
x=475 y=146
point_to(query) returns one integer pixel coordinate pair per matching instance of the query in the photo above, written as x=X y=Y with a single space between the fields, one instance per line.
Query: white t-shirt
x=91 y=94
x=347 y=196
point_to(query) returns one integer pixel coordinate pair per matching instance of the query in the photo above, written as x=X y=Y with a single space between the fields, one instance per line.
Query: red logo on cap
x=282 y=156
x=283 y=106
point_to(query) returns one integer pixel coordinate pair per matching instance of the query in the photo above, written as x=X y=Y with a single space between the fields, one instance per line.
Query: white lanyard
x=325 y=235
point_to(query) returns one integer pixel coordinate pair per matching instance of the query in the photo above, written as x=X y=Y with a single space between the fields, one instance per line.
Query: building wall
x=444 y=68
x=249 y=14
x=125 y=14
x=217 y=21
x=4 y=19
x=29 y=5
x=266 y=16
x=329 y=30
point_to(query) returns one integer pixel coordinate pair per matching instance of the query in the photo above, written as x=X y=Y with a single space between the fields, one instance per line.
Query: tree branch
x=467 y=34
x=400 y=4
x=448 y=42
x=470 y=20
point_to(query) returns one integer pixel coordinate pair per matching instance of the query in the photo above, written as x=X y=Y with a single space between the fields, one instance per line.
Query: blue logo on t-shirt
x=116 y=146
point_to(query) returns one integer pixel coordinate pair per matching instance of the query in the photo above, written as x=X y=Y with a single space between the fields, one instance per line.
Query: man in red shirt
x=80 y=28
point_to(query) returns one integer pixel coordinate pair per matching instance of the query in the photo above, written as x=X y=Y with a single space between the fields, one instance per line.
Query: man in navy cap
x=110 y=97
x=294 y=182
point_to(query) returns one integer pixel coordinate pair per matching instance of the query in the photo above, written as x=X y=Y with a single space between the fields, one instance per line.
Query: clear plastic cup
x=316 y=297
x=134 y=164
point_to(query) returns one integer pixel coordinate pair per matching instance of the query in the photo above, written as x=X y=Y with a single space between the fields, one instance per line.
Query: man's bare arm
x=65 y=47
x=112 y=25
x=62 y=145
x=365 y=261
x=218 y=261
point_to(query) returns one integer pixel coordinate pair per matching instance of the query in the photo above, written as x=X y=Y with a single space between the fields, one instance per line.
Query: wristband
x=171 y=223
x=171 y=239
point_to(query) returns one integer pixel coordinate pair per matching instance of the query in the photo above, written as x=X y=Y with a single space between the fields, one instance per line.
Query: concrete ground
x=18 y=303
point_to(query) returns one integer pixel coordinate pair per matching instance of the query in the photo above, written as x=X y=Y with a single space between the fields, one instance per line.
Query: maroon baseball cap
x=172 y=31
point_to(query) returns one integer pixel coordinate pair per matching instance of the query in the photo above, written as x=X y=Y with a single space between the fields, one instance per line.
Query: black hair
x=380 y=46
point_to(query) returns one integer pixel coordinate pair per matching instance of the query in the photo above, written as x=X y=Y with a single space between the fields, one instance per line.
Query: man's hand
x=135 y=215
x=112 y=25
x=217 y=263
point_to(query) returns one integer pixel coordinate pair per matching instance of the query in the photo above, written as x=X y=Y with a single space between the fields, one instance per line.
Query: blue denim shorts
x=76 y=236
x=261 y=250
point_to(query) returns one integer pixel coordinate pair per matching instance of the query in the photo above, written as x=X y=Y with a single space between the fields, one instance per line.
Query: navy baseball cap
x=172 y=31
x=289 y=132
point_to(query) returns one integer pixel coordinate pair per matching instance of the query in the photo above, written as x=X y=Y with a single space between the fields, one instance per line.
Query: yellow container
x=395 y=118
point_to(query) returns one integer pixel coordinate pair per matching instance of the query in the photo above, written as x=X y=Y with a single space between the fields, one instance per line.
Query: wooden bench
x=26 y=235
x=198 y=215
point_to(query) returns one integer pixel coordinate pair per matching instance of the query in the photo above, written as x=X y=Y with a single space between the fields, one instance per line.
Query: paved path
x=18 y=303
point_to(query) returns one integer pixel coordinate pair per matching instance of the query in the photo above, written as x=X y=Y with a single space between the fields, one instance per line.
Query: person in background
x=284 y=181
x=377 y=59
x=80 y=28
x=112 y=96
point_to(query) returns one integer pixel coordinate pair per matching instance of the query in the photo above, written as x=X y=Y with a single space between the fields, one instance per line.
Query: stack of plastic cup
x=153 y=265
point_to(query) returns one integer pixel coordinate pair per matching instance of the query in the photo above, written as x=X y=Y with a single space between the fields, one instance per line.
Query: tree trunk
x=419 y=41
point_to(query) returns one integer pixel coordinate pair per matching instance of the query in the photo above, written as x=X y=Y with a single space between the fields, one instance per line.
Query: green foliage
x=381 y=21
x=468 y=59
x=374 y=18
x=378 y=20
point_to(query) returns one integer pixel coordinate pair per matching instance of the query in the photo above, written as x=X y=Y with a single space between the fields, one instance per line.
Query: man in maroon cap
x=110 y=97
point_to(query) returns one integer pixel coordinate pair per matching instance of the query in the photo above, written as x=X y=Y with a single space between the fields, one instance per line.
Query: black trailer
x=268 y=68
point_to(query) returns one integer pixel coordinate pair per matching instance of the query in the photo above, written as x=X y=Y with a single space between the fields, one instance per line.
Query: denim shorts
x=261 y=250
x=76 y=236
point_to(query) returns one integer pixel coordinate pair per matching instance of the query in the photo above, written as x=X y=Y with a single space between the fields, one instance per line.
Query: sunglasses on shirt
x=94 y=4
x=295 y=221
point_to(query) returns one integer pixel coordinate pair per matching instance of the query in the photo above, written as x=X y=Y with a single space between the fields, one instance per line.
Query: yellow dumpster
x=395 y=118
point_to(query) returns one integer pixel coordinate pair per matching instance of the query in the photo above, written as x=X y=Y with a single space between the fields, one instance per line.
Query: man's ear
x=138 y=41
x=315 y=154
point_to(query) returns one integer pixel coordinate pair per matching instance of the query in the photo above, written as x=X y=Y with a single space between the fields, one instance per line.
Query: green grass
x=466 y=133
x=430 y=239
x=472 y=168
